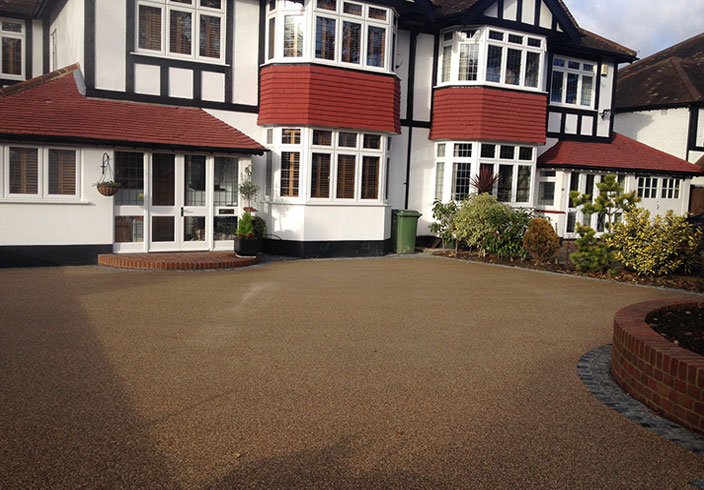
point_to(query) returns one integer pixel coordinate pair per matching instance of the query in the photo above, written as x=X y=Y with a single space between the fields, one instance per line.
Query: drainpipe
x=409 y=108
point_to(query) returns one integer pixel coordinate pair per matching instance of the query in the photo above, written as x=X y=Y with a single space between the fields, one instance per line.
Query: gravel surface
x=364 y=373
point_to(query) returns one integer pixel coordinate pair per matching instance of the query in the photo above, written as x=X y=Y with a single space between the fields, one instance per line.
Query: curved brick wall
x=667 y=378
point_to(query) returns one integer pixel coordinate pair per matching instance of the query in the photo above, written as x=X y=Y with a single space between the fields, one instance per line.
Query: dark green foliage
x=444 y=225
x=593 y=254
x=245 y=228
x=506 y=237
x=259 y=226
x=541 y=241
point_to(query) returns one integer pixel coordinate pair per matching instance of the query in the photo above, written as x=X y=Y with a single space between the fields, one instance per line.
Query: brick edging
x=153 y=262
x=664 y=376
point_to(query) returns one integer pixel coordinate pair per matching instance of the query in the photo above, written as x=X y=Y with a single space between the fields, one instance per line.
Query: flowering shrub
x=656 y=247
x=541 y=240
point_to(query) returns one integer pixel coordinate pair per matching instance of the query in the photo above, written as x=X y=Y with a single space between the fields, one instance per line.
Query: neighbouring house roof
x=53 y=108
x=622 y=154
x=674 y=76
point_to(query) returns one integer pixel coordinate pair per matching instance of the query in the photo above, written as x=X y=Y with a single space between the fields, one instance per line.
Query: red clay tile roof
x=476 y=113
x=622 y=153
x=52 y=107
x=673 y=76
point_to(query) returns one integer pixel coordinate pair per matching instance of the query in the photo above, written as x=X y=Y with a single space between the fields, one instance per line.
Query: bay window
x=192 y=29
x=12 y=38
x=486 y=55
x=572 y=82
x=43 y=173
x=341 y=32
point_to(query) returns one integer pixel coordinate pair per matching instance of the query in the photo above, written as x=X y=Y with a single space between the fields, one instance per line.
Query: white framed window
x=44 y=173
x=184 y=29
x=573 y=82
x=339 y=32
x=12 y=48
x=547 y=182
x=670 y=188
x=647 y=187
x=491 y=56
x=514 y=166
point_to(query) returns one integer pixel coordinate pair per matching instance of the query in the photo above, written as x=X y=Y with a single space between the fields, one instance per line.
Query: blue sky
x=647 y=26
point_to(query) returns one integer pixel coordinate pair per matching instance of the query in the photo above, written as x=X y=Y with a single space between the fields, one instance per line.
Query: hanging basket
x=108 y=190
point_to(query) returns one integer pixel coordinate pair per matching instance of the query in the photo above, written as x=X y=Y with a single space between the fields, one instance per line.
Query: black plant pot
x=248 y=246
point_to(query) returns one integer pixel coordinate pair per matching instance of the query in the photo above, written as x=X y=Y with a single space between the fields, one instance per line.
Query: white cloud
x=647 y=26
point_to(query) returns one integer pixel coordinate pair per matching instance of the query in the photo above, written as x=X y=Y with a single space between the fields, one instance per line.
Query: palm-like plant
x=485 y=181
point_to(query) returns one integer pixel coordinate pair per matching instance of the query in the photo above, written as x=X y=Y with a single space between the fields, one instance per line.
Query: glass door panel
x=129 y=221
x=164 y=208
x=225 y=200
x=194 y=210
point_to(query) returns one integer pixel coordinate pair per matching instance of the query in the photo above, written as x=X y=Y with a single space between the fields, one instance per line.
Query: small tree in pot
x=248 y=189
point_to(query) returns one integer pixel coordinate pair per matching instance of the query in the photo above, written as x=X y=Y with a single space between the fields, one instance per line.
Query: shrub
x=444 y=227
x=508 y=227
x=593 y=254
x=658 y=247
x=245 y=228
x=259 y=226
x=472 y=220
x=541 y=240
x=609 y=203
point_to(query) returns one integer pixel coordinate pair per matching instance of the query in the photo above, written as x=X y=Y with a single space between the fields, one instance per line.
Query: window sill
x=202 y=61
x=490 y=85
x=349 y=204
x=19 y=200
x=574 y=107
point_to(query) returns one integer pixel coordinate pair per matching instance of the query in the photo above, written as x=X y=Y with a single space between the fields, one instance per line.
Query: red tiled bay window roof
x=476 y=113
x=52 y=108
x=622 y=153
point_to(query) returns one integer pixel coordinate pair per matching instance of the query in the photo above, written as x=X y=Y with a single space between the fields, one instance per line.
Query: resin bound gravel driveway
x=366 y=373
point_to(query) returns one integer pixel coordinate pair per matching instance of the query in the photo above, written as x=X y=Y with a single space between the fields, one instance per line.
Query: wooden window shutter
x=370 y=177
x=11 y=56
x=289 y=173
x=320 y=175
x=62 y=172
x=209 y=36
x=24 y=171
x=345 y=176
x=149 y=28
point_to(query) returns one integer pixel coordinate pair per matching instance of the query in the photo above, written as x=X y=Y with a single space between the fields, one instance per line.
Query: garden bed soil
x=563 y=266
x=684 y=328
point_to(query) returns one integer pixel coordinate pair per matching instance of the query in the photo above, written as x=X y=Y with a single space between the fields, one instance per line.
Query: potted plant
x=246 y=241
x=108 y=187
x=248 y=190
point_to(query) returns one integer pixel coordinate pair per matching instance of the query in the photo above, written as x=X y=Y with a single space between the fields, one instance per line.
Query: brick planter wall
x=667 y=378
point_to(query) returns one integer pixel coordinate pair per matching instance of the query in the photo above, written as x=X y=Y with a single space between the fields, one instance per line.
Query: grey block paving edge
x=594 y=369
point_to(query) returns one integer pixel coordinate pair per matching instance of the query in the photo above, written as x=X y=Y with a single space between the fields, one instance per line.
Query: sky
x=646 y=26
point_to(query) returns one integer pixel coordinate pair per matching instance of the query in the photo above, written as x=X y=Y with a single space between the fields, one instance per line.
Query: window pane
x=352 y=9
x=505 y=183
x=325 y=38
x=375 y=13
x=376 y=45
x=293 y=36
x=370 y=177
x=209 y=36
x=11 y=26
x=589 y=187
x=534 y=42
x=180 y=32
x=463 y=150
x=496 y=35
x=571 y=221
x=62 y=172
x=488 y=151
x=439 y=180
x=493 y=64
x=320 y=175
x=556 y=89
x=290 y=161
x=440 y=150
x=11 y=56
x=226 y=180
x=507 y=152
x=269 y=171
x=571 y=93
x=573 y=65
x=24 y=171
x=513 y=67
x=546 y=193
x=372 y=141
x=322 y=138
x=469 y=61
x=149 y=28
x=163 y=229
x=194 y=228
x=523 y=189
x=587 y=86
x=345 y=176
x=513 y=38
x=129 y=172
x=225 y=227
x=163 y=179
x=213 y=4
x=129 y=229
x=446 y=63
x=327 y=4
x=194 y=183
x=462 y=176
x=351 y=42
x=574 y=181
x=290 y=136
x=532 y=69
x=347 y=140
x=272 y=37
x=525 y=153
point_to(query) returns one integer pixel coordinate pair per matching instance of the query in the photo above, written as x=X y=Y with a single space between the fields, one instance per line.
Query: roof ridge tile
x=34 y=82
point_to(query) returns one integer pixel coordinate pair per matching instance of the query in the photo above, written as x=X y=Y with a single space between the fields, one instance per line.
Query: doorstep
x=177 y=261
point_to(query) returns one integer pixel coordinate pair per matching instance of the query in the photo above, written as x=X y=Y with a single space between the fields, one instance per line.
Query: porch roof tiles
x=622 y=153
x=52 y=108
